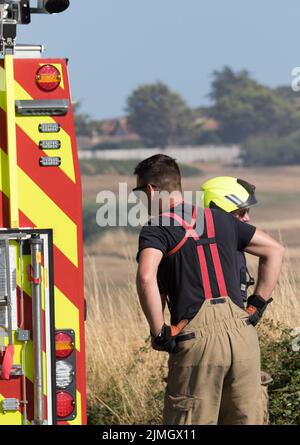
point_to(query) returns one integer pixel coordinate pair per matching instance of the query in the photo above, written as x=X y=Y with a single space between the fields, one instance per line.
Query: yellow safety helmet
x=228 y=194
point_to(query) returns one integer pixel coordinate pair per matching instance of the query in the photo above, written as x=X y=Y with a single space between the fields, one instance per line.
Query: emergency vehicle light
x=47 y=161
x=49 y=128
x=50 y=145
x=64 y=345
x=42 y=107
x=65 y=404
x=48 y=78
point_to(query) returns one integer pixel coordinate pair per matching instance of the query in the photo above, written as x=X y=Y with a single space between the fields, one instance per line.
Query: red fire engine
x=42 y=312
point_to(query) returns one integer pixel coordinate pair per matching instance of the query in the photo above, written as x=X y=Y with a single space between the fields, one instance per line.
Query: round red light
x=48 y=78
x=64 y=345
x=65 y=404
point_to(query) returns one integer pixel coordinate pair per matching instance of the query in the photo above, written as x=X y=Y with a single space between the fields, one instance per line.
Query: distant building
x=114 y=128
x=109 y=131
x=207 y=123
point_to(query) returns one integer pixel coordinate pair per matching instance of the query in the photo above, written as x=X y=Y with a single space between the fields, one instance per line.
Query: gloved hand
x=166 y=340
x=256 y=306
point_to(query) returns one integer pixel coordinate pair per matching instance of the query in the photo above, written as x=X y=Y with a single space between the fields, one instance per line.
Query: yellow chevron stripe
x=4 y=184
x=2 y=88
x=66 y=315
x=30 y=125
x=78 y=420
x=11 y=141
x=45 y=210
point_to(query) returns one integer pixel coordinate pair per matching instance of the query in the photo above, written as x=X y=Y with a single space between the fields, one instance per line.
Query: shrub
x=283 y=364
x=271 y=150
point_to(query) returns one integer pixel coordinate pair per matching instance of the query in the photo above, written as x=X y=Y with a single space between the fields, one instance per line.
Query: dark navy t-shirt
x=179 y=276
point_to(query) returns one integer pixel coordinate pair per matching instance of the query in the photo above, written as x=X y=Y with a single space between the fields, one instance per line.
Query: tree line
x=263 y=120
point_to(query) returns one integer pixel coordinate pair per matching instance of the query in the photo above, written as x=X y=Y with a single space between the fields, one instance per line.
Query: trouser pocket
x=178 y=410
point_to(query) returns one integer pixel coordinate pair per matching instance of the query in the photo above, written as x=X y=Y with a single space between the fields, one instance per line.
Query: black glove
x=256 y=306
x=166 y=340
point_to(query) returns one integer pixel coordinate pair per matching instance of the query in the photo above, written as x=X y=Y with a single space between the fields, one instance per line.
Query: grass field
x=125 y=377
x=278 y=191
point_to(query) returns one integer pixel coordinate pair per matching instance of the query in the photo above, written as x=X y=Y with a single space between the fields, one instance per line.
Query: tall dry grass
x=285 y=308
x=125 y=377
x=122 y=369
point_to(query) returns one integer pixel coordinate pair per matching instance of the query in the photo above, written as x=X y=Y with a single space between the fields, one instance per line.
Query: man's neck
x=174 y=201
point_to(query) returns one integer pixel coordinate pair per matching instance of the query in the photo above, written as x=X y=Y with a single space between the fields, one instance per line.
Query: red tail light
x=65 y=404
x=48 y=78
x=64 y=345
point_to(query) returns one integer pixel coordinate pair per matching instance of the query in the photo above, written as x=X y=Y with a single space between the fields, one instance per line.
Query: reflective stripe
x=11 y=140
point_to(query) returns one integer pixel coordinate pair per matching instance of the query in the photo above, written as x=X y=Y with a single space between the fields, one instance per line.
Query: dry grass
x=122 y=368
x=125 y=376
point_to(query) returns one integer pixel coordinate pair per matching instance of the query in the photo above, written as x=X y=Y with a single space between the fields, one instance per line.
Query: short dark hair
x=160 y=170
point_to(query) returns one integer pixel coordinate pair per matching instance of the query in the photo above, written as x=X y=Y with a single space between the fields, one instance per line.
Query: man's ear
x=151 y=191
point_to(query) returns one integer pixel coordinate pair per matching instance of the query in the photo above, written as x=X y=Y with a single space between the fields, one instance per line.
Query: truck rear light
x=48 y=78
x=64 y=374
x=64 y=345
x=65 y=404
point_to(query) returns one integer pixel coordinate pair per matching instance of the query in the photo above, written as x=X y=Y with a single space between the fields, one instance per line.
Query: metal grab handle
x=36 y=245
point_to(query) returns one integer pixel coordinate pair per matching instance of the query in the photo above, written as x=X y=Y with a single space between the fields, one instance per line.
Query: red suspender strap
x=189 y=231
x=200 y=250
x=215 y=254
x=204 y=273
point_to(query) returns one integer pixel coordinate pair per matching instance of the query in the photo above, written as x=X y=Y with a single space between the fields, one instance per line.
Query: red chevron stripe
x=4 y=210
x=57 y=186
x=3 y=132
x=25 y=222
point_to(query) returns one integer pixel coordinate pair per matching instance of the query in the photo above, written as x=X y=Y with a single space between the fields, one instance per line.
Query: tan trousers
x=215 y=378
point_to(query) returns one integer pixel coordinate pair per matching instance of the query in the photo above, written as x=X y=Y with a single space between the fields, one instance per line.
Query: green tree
x=244 y=108
x=82 y=121
x=224 y=81
x=266 y=150
x=158 y=115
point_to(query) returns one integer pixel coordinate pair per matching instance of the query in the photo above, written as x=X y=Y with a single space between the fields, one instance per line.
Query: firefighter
x=236 y=196
x=187 y=259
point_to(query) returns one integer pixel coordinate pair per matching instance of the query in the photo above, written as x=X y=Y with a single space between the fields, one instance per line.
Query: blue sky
x=116 y=45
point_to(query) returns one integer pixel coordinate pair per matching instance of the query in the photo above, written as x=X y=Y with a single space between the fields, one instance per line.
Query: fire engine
x=42 y=309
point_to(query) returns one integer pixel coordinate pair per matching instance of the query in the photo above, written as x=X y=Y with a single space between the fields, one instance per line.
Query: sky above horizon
x=114 y=46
